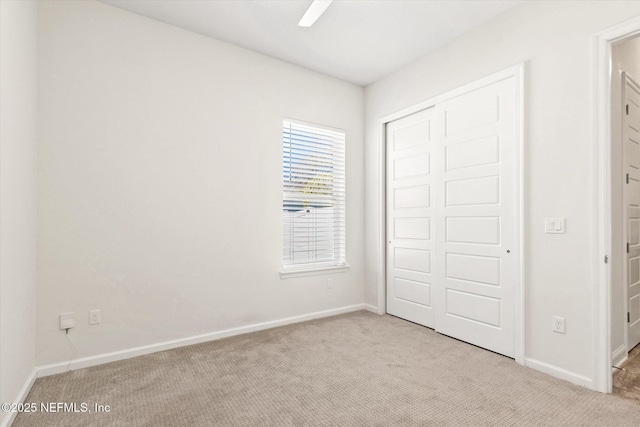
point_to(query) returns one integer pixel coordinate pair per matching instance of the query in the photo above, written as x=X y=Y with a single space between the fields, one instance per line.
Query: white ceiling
x=359 y=41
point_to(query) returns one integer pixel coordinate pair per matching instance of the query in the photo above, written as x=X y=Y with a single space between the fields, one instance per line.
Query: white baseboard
x=22 y=395
x=371 y=308
x=85 y=362
x=557 y=372
x=619 y=356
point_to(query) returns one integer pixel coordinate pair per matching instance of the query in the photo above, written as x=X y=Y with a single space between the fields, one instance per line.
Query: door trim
x=601 y=287
x=517 y=72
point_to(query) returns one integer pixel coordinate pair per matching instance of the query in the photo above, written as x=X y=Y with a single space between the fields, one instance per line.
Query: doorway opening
x=617 y=255
x=625 y=216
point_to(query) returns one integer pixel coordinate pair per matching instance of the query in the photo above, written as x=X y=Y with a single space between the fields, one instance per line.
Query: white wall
x=554 y=39
x=160 y=182
x=624 y=57
x=18 y=138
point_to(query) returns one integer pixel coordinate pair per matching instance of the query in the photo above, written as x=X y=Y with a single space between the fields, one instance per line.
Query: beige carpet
x=357 y=369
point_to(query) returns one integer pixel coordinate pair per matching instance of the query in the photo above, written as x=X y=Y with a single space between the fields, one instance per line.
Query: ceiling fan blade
x=315 y=10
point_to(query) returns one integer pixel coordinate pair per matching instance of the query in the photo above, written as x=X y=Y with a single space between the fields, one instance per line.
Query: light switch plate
x=554 y=225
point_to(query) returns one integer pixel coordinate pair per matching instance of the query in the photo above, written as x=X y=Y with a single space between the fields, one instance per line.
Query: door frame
x=601 y=293
x=517 y=72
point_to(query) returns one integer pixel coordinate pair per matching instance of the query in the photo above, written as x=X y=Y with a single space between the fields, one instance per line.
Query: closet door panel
x=410 y=218
x=475 y=210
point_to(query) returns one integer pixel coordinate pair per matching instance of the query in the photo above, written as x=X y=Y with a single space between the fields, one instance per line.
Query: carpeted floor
x=357 y=369
x=626 y=383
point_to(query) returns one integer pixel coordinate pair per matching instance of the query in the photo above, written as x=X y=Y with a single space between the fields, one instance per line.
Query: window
x=313 y=200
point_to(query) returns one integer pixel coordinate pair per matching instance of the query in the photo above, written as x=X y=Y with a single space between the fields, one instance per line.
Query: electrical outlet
x=329 y=283
x=66 y=321
x=94 y=317
x=559 y=324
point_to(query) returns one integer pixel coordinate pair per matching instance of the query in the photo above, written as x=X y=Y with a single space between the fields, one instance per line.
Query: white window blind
x=313 y=202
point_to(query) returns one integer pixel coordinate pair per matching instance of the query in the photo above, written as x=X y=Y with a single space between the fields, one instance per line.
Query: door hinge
x=606 y=259
x=626 y=107
x=627 y=178
x=628 y=317
x=627 y=247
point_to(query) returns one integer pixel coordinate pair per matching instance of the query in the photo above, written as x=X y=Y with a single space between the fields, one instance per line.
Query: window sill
x=290 y=274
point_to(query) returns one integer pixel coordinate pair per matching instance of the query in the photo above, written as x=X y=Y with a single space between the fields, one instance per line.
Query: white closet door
x=409 y=218
x=631 y=139
x=476 y=208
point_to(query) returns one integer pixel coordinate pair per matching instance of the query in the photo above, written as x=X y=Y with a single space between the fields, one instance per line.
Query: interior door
x=631 y=139
x=409 y=218
x=476 y=212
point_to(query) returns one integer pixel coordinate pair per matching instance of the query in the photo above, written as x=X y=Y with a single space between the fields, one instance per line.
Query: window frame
x=337 y=201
